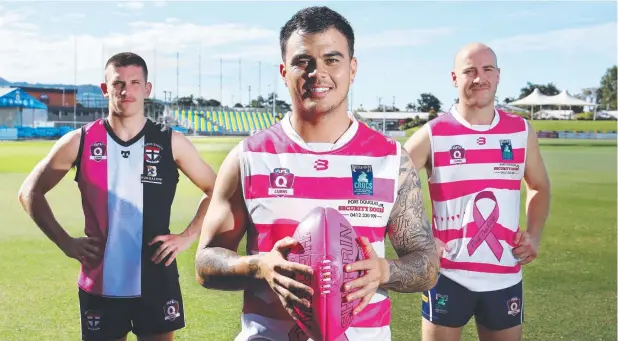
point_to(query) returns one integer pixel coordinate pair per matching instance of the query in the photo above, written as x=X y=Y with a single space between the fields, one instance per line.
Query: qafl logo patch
x=98 y=151
x=457 y=154
x=171 y=310
x=281 y=182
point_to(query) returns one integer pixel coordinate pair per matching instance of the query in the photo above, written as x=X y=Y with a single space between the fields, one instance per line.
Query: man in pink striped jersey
x=475 y=157
x=319 y=155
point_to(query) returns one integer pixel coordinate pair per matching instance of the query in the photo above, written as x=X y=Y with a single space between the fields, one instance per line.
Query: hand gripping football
x=328 y=243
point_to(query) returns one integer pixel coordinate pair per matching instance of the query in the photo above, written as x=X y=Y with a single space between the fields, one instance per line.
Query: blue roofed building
x=18 y=108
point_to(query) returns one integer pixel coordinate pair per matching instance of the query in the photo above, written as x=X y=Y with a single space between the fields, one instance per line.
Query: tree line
x=604 y=95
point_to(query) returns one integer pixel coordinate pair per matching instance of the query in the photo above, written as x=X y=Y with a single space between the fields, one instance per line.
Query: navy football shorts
x=104 y=318
x=451 y=305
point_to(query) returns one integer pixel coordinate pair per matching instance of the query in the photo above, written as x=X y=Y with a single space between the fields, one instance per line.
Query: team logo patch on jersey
x=98 y=151
x=362 y=180
x=94 y=320
x=152 y=152
x=507 y=149
x=458 y=154
x=281 y=182
x=171 y=310
x=514 y=306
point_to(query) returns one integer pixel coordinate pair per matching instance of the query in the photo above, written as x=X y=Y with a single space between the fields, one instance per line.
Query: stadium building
x=18 y=108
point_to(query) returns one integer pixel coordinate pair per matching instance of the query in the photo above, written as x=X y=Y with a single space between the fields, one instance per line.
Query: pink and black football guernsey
x=127 y=191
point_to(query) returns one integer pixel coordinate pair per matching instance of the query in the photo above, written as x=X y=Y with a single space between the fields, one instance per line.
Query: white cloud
x=139 y=5
x=600 y=38
x=131 y=5
x=25 y=26
x=173 y=35
x=9 y=18
x=269 y=52
x=73 y=17
x=401 y=38
x=32 y=56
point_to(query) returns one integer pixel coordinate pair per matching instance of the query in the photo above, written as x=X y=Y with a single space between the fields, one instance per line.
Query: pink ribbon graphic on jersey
x=485 y=225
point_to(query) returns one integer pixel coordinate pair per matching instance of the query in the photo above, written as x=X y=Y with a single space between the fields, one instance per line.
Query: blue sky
x=403 y=48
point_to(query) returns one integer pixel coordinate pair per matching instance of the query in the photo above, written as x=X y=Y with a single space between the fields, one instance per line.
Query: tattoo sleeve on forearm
x=220 y=269
x=411 y=236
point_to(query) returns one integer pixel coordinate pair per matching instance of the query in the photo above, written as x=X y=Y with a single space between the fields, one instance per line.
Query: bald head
x=476 y=75
x=470 y=51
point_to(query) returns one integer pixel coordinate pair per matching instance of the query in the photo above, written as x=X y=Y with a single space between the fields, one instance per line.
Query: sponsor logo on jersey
x=320 y=164
x=362 y=180
x=152 y=175
x=507 y=149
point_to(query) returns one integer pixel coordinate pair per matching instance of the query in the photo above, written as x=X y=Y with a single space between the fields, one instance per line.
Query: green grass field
x=570 y=290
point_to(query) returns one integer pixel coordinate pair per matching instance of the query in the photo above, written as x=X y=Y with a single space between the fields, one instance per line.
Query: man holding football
x=318 y=155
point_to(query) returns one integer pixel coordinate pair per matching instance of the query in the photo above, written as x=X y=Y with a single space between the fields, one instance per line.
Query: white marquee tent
x=562 y=99
x=535 y=98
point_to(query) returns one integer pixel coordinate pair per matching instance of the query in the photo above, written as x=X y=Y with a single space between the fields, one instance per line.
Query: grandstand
x=223 y=122
x=247 y=122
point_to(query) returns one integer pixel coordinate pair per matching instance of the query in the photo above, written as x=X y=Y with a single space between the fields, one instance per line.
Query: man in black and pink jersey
x=127 y=173
x=476 y=158
x=318 y=155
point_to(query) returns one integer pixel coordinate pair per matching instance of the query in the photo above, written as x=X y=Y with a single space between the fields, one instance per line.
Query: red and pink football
x=327 y=243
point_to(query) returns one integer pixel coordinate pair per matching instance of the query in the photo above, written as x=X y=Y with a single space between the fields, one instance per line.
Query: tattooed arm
x=217 y=263
x=410 y=233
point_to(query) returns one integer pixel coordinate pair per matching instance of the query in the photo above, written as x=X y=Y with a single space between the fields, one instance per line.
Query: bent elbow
x=24 y=196
x=432 y=277
x=201 y=278
x=202 y=273
x=433 y=271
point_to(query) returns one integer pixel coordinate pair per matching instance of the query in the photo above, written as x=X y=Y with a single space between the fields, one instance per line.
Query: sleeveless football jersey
x=127 y=191
x=475 y=191
x=283 y=179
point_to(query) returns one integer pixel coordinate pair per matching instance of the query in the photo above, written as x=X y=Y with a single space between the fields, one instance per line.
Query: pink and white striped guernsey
x=475 y=192
x=283 y=179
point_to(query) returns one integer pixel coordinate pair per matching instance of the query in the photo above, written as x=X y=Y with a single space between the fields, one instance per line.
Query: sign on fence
x=576 y=135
